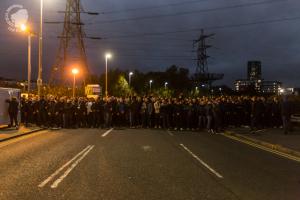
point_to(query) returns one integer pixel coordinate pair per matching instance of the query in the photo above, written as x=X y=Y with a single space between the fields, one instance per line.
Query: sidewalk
x=9 y=133
x=271 y=138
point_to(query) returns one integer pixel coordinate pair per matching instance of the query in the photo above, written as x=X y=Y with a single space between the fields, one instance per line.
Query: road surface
x=142 y=164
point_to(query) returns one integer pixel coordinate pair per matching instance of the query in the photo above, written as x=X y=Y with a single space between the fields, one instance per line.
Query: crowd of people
x=213 y=114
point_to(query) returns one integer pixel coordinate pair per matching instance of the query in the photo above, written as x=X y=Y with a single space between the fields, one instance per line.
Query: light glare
x=23 y=27
x=75 y=71
x=108 y=56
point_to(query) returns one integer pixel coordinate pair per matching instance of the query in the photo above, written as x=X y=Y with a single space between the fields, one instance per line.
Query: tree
x=121 y=88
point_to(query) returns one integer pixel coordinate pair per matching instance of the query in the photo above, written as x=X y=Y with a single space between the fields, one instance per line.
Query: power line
x=208 y=28
x=160 y=56
x=152 y=7
x=161 y=59
x=182 y=51
x=189 y=12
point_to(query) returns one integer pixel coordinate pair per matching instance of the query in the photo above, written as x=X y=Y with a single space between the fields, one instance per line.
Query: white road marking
x=68 y=171
x=63 y=167
x=147 y=148
x=297 y=159
x=170 y=133
x=107 y=132
x=202 y=162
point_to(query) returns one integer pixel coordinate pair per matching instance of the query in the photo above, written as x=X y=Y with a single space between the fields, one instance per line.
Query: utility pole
x=29 y=63
x=40 y=71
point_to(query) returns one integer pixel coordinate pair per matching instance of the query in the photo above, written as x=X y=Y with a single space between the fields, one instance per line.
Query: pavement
x=142 y=164
x=10 y=133
x=273 y=138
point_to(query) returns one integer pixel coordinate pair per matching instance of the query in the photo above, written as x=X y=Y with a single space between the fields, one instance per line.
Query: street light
x=166 y=85
x=107 y=56
x=25 y=29
x=130 y=75
x=39 y=80
x=74 y=72
x=23 y=84
x=150 y=83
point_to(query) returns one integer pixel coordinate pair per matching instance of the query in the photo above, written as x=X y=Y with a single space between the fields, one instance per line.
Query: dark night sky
x=277 y=45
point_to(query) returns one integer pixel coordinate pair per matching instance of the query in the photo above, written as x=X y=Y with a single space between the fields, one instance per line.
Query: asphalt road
x=142 y=164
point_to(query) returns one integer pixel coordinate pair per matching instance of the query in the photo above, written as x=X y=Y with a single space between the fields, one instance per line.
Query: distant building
x=255 y=82
x=254 y=70
x=271 y=87
x=297 y=91
x=244 y=85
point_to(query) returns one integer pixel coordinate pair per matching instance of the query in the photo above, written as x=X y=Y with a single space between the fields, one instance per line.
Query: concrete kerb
x=276 y=147
x=20 y=135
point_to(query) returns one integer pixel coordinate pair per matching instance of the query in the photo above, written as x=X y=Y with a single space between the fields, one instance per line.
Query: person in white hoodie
x=89 y=105
x=157 y=106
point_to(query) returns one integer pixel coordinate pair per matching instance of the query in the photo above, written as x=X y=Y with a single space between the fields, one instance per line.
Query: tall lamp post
x=25 y=29
x=74 y=72
x=130 y=75
x=166 y=85
x=107 y=56
x=39 y=80
x=150 y=83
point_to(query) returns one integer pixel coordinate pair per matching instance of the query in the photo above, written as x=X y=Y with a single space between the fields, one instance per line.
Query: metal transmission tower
x=202 y=75
x=202 y=52
x=72 y=50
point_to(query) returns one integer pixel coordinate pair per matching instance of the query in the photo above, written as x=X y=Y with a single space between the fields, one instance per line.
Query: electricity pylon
x=72 y=51
x=202 y=74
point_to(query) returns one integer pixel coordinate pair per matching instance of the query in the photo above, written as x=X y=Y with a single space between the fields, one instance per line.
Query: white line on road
x=64 y=166
x=107 y=132
x=170 y=133
x=67 y=172
x=202 y=162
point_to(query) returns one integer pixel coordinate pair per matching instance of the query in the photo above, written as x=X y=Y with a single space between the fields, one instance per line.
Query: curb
x=20 y=135
x=275 y=147
x=3 y=127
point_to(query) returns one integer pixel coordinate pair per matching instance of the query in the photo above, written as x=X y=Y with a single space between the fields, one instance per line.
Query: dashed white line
x=63 y=167
x=107 y=132
x=170 y=133
x=202 y=162
x=67 y=172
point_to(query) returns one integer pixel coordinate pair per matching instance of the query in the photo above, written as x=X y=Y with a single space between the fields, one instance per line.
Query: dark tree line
x=178 y=79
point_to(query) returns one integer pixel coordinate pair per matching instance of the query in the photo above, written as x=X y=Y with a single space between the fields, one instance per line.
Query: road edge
x=23 y=134
x=271 y=146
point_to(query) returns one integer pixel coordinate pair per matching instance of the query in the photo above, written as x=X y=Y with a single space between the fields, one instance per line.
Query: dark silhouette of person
x=13 y=109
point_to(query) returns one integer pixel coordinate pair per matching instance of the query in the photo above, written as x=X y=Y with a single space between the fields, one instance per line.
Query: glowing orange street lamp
x=23 y=28
x=26 y=30
x=74 y=72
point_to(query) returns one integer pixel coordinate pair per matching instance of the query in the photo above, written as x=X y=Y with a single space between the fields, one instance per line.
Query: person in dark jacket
x=276 y=115
x=178 y=115
x=286 y=112
x=13 y=109
x=209 y=117
x=257 y=113
x=217 y=118
x=59 y=112
x=42 y=111
x=51 y=113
